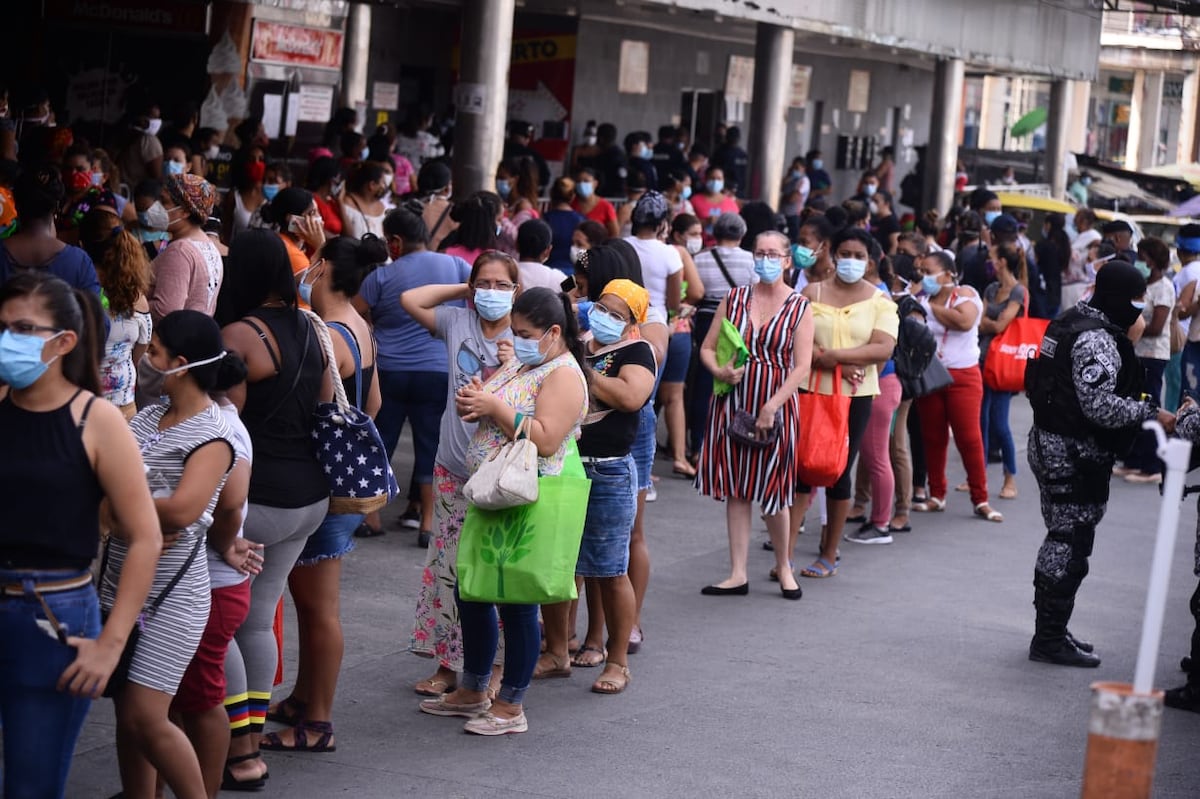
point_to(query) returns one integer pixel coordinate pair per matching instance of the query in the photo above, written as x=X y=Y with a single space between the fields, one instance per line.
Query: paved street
x=904 y=676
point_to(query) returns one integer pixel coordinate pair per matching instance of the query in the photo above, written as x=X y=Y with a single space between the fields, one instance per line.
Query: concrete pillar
x=768 y=111
x=1151 y=120
x=1187 y=119
x=358 y=55
x=944 y=130
x=1077 y=136
x=1133 y=134
x=481 y=97
x=1057 y=133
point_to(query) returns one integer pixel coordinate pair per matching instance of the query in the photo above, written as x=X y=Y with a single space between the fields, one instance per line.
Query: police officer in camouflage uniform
x=1085 y=389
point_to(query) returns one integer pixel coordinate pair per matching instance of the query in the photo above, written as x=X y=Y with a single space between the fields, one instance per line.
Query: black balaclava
x=1117 y=285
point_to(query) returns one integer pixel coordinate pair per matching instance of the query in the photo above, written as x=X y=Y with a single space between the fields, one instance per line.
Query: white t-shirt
x=535 y=275
x=1158 y=294
x=956 y=349
x=1188 y=275
x=739 y=264
x=220 y=573
x=659 y=261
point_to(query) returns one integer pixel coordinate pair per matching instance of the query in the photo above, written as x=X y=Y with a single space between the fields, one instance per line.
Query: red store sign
x=295 y=45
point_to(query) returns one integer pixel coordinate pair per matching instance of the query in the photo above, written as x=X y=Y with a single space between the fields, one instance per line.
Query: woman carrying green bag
x=545 y=385
x=622 y=379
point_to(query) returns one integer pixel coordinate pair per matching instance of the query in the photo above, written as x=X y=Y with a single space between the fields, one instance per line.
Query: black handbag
x=934 y=378
x=742 y=430
x=120 y=674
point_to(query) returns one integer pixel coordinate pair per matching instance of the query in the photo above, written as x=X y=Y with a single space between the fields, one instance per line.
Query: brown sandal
x=540 y=673
x=582 y=660
x=617 y=684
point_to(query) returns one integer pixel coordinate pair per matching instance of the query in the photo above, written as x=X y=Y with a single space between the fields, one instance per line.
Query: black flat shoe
x=716 y=590
x=423 y=538
x=791 y=593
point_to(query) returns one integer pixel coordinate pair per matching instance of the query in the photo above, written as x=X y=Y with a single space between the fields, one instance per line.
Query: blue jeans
x=1190 y=363
x=481 y=637
x=611 y=509
x=1143 y=456
x=994 y=422
x=418 y=398
x=41 y=723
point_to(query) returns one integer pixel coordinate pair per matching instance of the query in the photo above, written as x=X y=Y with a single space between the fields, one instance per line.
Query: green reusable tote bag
x=526 y=555
x=730 y=347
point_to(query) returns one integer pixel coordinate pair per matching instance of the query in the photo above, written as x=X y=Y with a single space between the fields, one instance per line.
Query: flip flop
x=819 y=568
x=433 y=689
x=579 y=662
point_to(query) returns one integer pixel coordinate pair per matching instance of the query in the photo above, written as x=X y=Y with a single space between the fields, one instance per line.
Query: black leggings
x=860 y=414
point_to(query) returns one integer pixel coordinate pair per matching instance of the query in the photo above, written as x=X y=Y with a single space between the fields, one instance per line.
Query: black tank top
x=279 y=414
x=43 y=461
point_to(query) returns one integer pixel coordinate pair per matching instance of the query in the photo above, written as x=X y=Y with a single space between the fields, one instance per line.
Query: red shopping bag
x=824 y=444
x=1009 y=352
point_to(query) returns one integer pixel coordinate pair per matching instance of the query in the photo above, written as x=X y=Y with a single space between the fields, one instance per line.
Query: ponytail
x=571 y=333
x=81 y=365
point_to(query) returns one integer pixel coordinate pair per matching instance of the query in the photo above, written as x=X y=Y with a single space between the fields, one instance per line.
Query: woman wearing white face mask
x=855 y=327
x=362 y=206
x=142 y=155
x=776 y=327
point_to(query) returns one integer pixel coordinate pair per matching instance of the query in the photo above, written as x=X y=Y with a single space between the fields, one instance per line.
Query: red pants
x=956 y=408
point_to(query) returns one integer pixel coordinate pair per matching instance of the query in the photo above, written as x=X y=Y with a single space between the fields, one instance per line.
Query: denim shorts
x=612 y=506
x=334 y=538
x=679 y=358
x=645 y=446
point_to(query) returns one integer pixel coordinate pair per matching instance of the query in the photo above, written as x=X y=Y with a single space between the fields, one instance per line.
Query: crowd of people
x=199 y=330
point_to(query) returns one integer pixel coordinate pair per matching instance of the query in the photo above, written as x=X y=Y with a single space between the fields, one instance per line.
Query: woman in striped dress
x=778 y=331
x=187 y=450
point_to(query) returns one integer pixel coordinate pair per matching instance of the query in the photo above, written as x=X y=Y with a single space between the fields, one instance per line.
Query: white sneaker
x=651 y=493
x=490 y=724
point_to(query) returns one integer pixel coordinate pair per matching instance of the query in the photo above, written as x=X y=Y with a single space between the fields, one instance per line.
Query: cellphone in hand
x=568 y=284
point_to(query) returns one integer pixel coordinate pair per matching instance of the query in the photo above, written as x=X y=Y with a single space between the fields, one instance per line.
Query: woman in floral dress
x=479 y=342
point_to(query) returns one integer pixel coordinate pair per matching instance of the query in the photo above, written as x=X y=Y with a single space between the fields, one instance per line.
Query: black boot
x=1184 y=698
x=1050 y=643
x=1082 y=646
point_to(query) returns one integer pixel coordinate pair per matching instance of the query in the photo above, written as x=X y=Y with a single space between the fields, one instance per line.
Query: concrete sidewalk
x=903 y=676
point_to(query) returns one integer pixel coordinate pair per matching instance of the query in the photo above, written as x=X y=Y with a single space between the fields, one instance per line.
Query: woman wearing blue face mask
x=517 y=185
x=478 y=341
x=55 y=441
x=776 y=326
x=622 y=379
x=328 y=286
x=712 y=202
x=544 y=384
x=294 y=214
x=952 y=313
x=854 y=328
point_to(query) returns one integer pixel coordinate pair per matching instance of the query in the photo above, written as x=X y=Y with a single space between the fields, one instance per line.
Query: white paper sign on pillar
x=385 y=96
x=316 y=103
x=470 y=98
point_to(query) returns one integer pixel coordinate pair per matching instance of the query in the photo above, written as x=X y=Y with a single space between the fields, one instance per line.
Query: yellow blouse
x=844 y=328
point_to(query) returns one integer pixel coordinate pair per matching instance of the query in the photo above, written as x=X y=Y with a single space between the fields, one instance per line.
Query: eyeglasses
x=611 y=314
x=761 y=254
x=495 y=285
x=23 y=328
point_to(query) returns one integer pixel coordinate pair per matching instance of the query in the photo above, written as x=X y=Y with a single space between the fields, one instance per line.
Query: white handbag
x=509 y=478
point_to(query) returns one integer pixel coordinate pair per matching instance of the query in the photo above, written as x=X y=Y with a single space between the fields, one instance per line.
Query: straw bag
x=509 y=477
x=347 y=443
